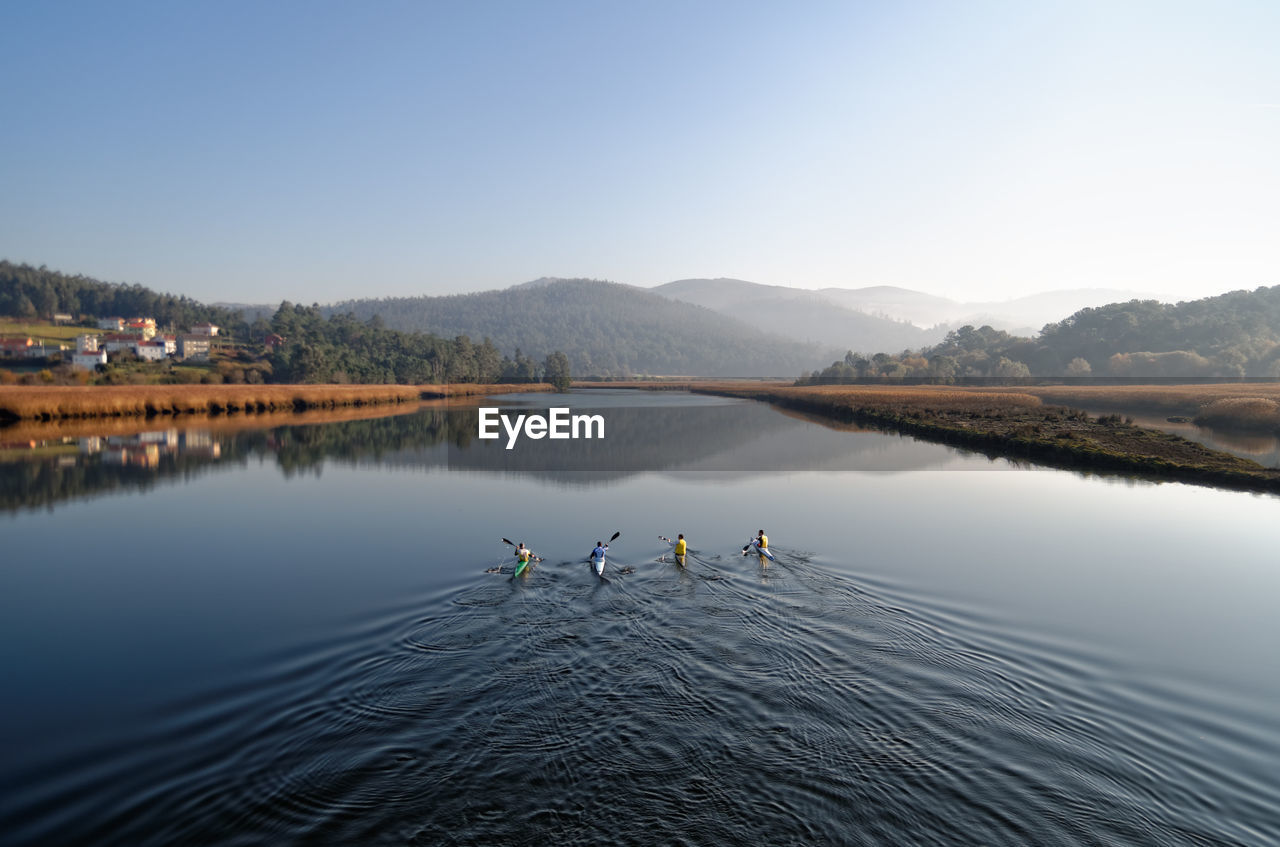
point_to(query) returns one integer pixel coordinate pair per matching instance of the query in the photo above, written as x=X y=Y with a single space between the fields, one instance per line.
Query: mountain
x=603 y=327
x=800 y=314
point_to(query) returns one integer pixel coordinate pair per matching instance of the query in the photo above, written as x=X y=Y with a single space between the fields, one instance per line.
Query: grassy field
x=42 y=332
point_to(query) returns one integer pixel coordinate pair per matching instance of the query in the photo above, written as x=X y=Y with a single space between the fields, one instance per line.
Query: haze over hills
x=604 y=328
x=804 y=310
x=801 y=314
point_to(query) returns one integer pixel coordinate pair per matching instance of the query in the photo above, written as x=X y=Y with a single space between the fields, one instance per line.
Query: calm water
x=298 y=635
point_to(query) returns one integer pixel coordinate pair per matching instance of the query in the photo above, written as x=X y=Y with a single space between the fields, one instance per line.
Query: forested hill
x=800 y=314
x=604 y=328
x=1230 y=335
x=27 y=292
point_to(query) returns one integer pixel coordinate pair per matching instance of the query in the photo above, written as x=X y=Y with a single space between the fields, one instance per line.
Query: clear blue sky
x=316 y=151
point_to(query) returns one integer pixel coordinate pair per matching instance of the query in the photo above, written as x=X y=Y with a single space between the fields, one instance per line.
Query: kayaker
x=762 y=540
x=600 y=551
x=524 y=556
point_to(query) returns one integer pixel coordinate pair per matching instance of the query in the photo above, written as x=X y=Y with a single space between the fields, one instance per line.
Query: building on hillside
x=146 y=327
x=88 y=361
x=112 y=324
x=86 y=343
x=273 y=342
x=170 y=343
x=61 y=318
x=150 y=351
x=43 y=351
x=209 y=330
x=193 y=347
x=114 y=342
x=15 y=346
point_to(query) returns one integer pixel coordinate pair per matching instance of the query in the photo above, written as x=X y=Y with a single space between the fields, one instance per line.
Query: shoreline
x=1016 y=424
x=58 y=403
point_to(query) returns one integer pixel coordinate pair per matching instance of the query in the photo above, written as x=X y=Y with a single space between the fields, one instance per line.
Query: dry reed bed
x=55 y=402
x=466 y=389
x=36 y=431
x=916 y=398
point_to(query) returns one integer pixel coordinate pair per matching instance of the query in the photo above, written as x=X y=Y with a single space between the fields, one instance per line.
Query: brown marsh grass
x=35 y=431
x=36 y=402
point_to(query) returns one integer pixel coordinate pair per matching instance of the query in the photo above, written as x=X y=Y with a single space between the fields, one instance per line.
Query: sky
x=319 y=151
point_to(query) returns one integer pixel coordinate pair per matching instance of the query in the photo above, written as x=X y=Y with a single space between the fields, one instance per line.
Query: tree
x=555 y=370
x=1079 y=367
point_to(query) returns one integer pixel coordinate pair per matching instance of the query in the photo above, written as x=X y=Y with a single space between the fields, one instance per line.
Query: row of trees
x=342 y=348
x=1231 y=335
x=27 y=293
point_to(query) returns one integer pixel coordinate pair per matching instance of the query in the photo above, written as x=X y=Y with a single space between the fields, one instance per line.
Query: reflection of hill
x=642 y=434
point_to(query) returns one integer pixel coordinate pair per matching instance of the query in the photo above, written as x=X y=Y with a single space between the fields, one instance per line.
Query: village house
x=205 y=329
x=88 y=360
x=273 y=342
x=150 y=351
x=61 y=318
x=113 y=324
x=15 y=346
x=170 y=343
x=193 y=347
x=86 y=343
x=114 y=342
x=146 y=327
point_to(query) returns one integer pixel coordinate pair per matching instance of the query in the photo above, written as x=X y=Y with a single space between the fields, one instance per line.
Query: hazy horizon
x=318 y=152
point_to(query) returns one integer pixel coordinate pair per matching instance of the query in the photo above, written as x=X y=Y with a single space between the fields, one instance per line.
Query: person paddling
x=523 y=557
x=680 y=548
x=597 y=557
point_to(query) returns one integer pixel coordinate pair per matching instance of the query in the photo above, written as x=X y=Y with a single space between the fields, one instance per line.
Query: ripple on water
x=562 y=709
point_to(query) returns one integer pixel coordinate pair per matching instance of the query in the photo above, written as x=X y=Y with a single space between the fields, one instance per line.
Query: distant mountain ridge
x=929 y=313
x=604 y=328
x=800 y=314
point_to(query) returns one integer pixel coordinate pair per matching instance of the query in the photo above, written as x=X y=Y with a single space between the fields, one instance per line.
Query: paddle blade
x=508 y=542
x=615 y=536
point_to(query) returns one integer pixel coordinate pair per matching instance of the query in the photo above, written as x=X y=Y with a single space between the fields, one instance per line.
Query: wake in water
x=726 y=701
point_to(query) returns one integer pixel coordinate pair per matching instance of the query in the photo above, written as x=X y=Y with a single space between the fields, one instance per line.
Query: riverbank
x=51 y=403
x=1016 y=423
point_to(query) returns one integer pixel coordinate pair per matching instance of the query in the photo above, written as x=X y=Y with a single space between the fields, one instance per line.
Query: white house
x=205 y=329
x=86 y=343
x=149 y=351
x=114 y=324
x=89 y=360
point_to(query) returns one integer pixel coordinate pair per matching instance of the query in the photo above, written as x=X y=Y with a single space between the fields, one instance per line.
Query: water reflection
x=41 y=466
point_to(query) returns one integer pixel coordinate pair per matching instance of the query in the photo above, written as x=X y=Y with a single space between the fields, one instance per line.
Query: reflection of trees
x=736 y=436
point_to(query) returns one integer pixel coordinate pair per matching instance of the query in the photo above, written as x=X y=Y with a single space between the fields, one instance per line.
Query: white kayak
x=598 y=564
x=753 y=547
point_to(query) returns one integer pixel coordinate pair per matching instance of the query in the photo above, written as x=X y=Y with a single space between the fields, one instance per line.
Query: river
x=311 y=634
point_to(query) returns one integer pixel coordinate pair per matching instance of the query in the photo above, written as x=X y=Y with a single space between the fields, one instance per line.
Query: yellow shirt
x=763 y=541
x=680 y=546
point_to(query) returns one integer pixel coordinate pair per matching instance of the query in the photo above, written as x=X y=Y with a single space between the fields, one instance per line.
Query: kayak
x=761 y=551
x=521 y=567
x=598 y=564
